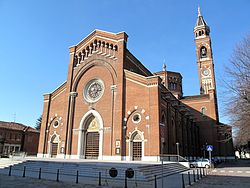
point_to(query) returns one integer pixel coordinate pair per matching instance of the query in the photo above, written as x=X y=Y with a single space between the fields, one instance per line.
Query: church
x=111 y=107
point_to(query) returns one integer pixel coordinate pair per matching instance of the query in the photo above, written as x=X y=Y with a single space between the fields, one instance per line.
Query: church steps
x=90 y=171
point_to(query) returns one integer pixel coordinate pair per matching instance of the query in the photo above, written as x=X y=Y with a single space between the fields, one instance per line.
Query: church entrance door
x=92 y=145
x=137 y=151
x=54 y=146
x=54 y=149
x=90 y=141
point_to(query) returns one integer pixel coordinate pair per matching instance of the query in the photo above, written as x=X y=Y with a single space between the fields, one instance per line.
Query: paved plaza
x=27 y=182
x=228 y=175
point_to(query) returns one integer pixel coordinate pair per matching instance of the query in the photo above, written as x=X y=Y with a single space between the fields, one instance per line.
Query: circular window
x=56 y=124
x=136 y=118
x=93 y=90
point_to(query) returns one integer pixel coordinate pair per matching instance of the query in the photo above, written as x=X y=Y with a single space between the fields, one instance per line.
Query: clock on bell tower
x=204 y=55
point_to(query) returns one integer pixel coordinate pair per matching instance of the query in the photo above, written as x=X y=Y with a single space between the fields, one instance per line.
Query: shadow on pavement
x=235 y=163
x=216 y=181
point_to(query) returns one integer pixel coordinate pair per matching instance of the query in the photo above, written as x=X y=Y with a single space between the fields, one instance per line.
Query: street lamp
x=177 y=150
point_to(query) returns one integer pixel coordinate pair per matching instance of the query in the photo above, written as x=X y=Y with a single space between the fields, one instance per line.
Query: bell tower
x=204 y=55
x=205 y=63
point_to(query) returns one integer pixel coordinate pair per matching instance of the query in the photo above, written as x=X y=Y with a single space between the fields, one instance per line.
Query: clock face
x=93 y=90
x=206 y=72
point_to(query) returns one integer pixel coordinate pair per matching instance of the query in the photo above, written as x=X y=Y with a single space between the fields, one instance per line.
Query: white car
x=201 y=163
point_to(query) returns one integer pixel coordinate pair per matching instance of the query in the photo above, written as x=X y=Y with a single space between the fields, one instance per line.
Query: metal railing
x=187 y=178
x=172 y=158
x=99 y=176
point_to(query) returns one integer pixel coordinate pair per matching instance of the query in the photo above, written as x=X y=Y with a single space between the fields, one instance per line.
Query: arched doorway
x=54 y=141
x=90 y=140
x=136 y=146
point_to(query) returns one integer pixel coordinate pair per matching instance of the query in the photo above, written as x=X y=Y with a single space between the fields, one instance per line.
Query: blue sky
x=35 y=36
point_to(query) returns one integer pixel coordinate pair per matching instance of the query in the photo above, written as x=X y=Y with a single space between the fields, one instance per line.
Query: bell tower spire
x=199 y=11
x=201 y=28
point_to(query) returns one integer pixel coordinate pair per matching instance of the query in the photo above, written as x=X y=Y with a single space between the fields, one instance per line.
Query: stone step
x=170 y=168
x=90 y=171
x=69 y=169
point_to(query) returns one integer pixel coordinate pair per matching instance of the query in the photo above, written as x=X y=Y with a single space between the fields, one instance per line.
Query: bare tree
x=238 y=85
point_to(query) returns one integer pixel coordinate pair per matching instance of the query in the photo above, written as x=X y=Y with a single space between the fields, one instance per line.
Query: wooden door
x=137 y=151
x=54 y=147
x=92 y=145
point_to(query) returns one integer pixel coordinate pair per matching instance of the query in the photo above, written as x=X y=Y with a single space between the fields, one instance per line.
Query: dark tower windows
x=203 y=52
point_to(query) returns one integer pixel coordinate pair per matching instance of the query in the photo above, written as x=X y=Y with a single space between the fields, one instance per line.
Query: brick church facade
x=113 y=108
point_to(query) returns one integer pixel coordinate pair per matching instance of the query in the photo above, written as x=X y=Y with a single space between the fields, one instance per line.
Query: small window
x=30 y=138
x=136 y=118
x=18 y=137
x=56 y=124
x=203 y=111
x=174 y=86
x=17 y=149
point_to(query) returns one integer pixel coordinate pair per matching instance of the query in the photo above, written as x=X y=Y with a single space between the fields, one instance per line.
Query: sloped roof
x=17 y=126
x=168 y=72
x=200 y=22
x=196 y=97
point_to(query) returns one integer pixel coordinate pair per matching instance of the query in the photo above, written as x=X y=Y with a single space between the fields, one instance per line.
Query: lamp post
x=177 y=150
x=162 y=167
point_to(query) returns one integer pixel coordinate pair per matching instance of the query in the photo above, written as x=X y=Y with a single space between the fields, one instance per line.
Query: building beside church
x=111 y=107
x=16 y=137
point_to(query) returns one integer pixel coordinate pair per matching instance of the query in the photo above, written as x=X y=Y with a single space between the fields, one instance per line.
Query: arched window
x=203 y=110
x=203 y=52
x=175 y=86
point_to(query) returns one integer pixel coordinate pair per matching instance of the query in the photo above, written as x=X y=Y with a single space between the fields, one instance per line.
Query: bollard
x=183 y=183
x=100 y=179
x=155 y=182
x=24 y=169
x=57 y=175
x=189 y=180
x=203 y=172
x=10 y=170
x=194 y=175
x=200 y=173
x=198 y=177
x=126 y=186
x=77 y=173
x=40 y=171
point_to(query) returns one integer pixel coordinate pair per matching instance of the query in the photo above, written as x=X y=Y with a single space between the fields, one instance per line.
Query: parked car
x=216 y=161
x=200 y=163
